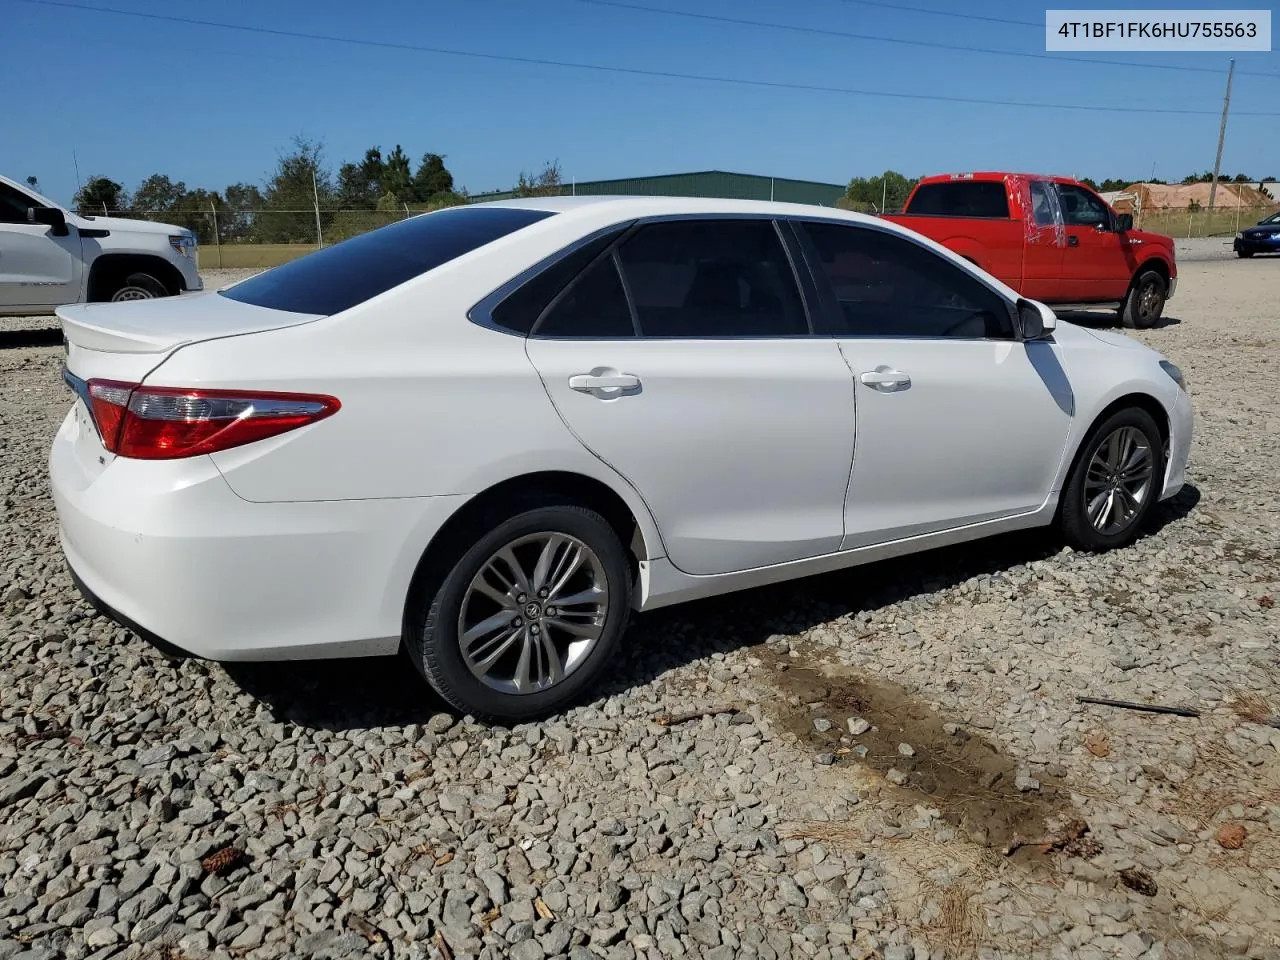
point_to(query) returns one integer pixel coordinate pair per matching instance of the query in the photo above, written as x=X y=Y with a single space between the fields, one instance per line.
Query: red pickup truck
x=1049 y=238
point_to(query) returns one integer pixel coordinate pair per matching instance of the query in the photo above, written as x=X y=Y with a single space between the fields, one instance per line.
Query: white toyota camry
x=482 y=436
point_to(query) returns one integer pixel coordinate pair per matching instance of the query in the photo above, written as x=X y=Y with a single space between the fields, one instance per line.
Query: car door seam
x=582 y=443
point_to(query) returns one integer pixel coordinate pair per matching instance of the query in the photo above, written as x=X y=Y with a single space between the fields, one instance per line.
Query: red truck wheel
x=1145 y=302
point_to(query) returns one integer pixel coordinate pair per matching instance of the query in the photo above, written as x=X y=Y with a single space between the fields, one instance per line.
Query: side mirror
x=50 y=216
x=1035 y=320
x=1124 y=222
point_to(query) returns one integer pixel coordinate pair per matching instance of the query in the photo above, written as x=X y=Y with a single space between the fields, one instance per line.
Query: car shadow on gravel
x=1106 y=319
x=374 y=692
x=13 y=339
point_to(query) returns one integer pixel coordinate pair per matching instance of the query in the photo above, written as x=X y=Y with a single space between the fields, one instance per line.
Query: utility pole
x=1222 y=134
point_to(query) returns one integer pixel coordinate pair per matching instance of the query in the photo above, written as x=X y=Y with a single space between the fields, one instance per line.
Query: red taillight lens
x=165 y=423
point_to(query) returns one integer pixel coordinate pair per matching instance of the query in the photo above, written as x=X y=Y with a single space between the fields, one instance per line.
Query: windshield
x=353 y=271
x=1274 y=218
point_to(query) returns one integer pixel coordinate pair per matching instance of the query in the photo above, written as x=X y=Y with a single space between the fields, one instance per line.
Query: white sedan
x=482 y=436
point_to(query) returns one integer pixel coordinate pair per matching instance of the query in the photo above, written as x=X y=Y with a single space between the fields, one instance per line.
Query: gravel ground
x=888 y=762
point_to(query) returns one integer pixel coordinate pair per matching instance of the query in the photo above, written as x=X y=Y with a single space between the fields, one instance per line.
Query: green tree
x=157 y=195
x=397 y=176
x=195 y=211
x=889 y=189
x=359 y=184
x=545 y=183
x=300 y=178
x=100 y=193
x=243 y=200
x=432 y=179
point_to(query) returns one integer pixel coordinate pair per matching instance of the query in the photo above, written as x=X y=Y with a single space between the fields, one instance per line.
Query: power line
x=843 y=34
x=631 y=71
x=944 y=13
x=1037 y=24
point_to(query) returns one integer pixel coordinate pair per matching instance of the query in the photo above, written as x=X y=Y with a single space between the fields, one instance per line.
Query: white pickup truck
x=50 y=256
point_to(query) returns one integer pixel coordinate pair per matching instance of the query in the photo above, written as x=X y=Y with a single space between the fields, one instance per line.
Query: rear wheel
x=138 y=286
x=1145 y=301
x=1114 y=483
x=527 y=617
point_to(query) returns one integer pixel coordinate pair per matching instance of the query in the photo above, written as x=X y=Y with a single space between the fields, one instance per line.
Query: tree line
x=361 y=195
x=382 y=187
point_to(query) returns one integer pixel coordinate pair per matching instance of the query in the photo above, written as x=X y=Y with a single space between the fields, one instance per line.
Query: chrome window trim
x=481 y=313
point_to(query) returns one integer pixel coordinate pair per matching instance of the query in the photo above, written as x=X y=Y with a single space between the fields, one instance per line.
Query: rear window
x=961 y=198
x=353 y=271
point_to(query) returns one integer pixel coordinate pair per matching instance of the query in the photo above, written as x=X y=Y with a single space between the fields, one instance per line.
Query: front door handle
x=886 y=379
x=591 y=382
x=1073 y=241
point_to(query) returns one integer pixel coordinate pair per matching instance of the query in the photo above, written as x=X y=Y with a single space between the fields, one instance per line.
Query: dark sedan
x=1264 y=238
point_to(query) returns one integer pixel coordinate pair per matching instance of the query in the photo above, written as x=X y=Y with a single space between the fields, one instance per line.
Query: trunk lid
x=126 y=341
x=157 y=327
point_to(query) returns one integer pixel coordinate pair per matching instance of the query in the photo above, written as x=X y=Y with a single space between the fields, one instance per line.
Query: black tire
x=1145 y=301
x=1077 y=528
x=432 y=627
x=138 y=286
x=1244 y=254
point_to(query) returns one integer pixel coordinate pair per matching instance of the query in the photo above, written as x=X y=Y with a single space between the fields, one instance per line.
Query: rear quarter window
x=961 y=198
x=353 y=271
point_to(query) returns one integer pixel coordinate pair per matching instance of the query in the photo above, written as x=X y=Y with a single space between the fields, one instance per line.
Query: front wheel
x=527 y=617
x=139 y=286
x=1114 y=483
x=1244 y=254
x=1145 y=301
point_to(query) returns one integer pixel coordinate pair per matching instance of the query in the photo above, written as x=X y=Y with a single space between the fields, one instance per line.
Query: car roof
x=632 y=206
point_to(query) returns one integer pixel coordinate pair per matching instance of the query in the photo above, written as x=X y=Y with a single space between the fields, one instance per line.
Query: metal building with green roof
x=707 y=183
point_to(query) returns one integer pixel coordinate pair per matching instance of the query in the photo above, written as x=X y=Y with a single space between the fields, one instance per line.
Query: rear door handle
x=886 y=380
x=591 y=382
x=1073 y=241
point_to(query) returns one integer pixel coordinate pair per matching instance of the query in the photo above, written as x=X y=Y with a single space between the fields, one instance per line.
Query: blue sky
x=211 y=106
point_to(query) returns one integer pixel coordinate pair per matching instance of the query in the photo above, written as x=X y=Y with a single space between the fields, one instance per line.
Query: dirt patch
x=963 y=776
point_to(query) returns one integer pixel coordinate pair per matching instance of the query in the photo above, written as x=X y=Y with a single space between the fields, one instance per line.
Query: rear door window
x=712 y=279
x=520 y=310
x=353 y=271
x=1042 y=204
x=593 y=308
x=961 y=198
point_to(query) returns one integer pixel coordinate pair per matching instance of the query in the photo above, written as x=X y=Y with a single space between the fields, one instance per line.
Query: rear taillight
x=165 y=423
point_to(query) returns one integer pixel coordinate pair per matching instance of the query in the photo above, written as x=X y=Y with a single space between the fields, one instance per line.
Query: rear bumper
x=167 y=549
x=95 y=601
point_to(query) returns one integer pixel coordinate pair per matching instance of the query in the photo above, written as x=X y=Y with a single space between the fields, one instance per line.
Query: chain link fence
x=261 y=238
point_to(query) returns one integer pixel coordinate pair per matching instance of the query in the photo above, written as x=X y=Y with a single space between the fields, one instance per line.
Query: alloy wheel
x=1149 y=301
x=1118 y=480
x=131 y=293
x=533 y=613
